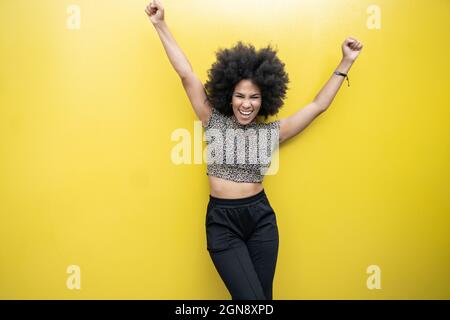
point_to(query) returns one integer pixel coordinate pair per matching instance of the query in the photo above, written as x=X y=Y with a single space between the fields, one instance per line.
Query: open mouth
x=245 y=113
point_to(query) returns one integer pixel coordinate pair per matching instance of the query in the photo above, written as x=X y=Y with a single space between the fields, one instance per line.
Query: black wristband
x=338 y=73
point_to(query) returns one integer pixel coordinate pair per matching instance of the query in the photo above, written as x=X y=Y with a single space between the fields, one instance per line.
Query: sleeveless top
x=237 y=152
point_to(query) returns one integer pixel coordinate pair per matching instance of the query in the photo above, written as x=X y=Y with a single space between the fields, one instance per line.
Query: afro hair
x=262 y=67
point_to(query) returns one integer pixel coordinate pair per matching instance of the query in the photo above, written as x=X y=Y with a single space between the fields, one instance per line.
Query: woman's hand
x=351 y=48
x=155 y=12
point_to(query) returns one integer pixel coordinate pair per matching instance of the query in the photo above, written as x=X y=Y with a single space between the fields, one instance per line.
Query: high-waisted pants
x=242 y=240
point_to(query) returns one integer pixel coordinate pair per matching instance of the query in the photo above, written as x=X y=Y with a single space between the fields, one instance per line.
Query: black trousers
x=242 y=240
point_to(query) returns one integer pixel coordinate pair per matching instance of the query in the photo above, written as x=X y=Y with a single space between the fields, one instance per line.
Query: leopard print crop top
x=237 y=152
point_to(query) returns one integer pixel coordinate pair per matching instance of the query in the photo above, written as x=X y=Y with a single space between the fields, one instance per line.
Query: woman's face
x=246 y=101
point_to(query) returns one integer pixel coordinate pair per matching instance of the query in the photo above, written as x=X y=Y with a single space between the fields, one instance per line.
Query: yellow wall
x=86 y=176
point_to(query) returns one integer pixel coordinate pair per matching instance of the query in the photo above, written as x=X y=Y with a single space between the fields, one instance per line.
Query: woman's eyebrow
x=254 y=94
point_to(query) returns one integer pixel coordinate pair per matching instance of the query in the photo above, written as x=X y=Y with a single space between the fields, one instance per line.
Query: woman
x=241 y=228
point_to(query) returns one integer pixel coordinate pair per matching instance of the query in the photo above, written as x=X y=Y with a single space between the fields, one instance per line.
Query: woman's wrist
x=160 y=25
x=345 y=65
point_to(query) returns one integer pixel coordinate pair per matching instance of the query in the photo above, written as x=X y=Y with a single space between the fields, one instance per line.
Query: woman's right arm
x=191 y=83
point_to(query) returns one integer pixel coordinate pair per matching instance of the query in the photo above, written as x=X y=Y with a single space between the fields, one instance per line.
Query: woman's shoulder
x=275 y=124
x=216 y=117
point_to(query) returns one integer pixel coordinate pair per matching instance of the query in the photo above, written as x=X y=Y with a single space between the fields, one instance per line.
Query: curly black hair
x=239 y=62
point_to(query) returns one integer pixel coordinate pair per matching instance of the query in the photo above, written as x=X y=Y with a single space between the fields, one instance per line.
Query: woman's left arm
x=294 y=124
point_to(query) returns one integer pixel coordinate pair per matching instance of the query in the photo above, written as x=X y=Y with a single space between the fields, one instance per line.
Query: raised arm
x=180 y=63
x=294 y=124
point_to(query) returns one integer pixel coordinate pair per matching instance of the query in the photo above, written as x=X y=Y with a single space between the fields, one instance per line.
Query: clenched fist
x=351 y=48
x=155 y=12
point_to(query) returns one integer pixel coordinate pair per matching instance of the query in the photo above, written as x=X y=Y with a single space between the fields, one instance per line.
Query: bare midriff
x=227 y=189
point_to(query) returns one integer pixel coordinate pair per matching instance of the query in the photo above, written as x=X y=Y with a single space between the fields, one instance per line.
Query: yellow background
x=86 y=176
